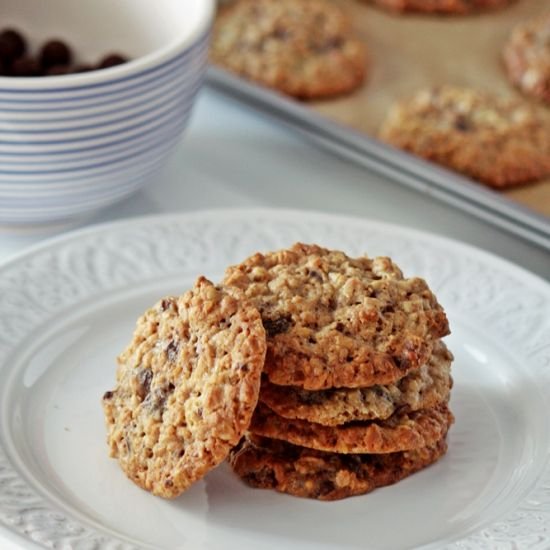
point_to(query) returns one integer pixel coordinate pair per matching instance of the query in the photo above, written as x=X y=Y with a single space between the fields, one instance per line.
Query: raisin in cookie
x=496 y=140
x=422 y=388
x=334 y=321
x=186 y=388
x=527 y=58
x=271 y=464
x=304 y=48
x=448 y=7
x=403 y=431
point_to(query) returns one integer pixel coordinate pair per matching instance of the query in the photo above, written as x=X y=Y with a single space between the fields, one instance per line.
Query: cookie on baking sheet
x=334 y=321
x=448 y=7
x=403 y=431
x=186 y=387
x=271 y=464
x=497 y=140
x=527 y=57
x=303 y=48
x=422 y=388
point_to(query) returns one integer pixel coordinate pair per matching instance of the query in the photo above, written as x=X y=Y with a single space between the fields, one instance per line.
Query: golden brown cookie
x=186 y=388
x=334 y=321
x=422 y=388
x=496 y=140
x=448 y=7
x=303 y=48
x=527 y=57
x=403 y=431
x=271 y=464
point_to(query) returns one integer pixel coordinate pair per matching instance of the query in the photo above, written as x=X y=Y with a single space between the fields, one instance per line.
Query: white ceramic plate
x=68 y=307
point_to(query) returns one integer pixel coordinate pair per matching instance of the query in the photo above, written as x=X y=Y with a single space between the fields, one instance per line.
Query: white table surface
x=233 y=157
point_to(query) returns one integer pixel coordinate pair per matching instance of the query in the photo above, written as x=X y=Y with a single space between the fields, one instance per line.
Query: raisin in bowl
x=80 y=130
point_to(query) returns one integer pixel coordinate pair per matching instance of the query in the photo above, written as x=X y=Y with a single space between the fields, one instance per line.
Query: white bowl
x=74 y=143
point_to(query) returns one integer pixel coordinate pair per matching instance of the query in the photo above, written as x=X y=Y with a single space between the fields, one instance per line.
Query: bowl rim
x=131 y=68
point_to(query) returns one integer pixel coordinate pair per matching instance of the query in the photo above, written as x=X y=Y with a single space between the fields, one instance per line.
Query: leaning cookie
x=303 y=48
x=270 y=464
x=497 y=140
x=401 y=432
x=422 y=388
x=187 y=386
x=334 y=321
x=527 y=57
x=444 y=7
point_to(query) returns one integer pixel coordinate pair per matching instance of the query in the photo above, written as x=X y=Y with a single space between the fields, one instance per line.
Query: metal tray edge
x=407 y=169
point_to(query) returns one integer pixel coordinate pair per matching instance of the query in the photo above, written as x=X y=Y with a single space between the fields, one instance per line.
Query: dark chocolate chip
x=462 y=123
x=379 y=392
x=55 y=52
x=281 y=33
x=25 y=66
x=278 y=325
x=108 y=395
x=353 y=463
x=172 y=351
x=12 y=45
x=264 y=477
x=402 y=362
x=167 y=303
x=58 y=70
x=312 y=397
x=326 y=487
x=112 y=60
x=316 y=275
x=144 y=379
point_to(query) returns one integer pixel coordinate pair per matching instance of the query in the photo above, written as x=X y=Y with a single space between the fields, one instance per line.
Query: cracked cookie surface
x=422 y=388
x=186 y=387
x=497 y=140
x=334 y=321
x=527 y=57
x=304 y=48
x=403 y=431
x=271 y=464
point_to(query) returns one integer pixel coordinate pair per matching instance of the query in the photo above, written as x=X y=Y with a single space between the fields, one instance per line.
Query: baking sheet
x=408 y=52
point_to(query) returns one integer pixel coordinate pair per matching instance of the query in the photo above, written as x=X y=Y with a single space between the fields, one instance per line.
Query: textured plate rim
x=272 y=212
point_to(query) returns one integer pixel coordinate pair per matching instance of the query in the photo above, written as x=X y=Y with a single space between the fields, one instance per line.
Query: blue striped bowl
x=72 y=144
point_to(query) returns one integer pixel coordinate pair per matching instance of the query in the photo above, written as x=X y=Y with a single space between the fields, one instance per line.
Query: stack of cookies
x=356 y=380
x=316 y=374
